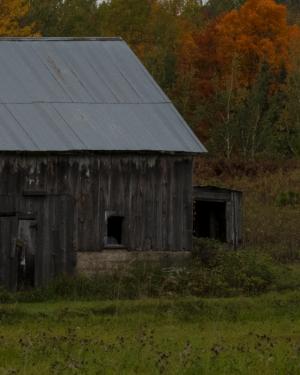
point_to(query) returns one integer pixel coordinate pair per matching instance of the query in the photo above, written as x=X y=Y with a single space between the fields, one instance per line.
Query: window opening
x=114 y=230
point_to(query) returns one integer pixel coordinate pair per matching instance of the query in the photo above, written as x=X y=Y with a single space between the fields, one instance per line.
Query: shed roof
x=66 y=94
x=215 y=189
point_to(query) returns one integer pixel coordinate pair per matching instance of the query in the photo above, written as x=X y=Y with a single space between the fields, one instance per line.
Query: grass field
x=90 y=327
x=257 y=335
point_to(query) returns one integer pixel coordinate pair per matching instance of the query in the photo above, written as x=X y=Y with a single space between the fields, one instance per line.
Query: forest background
x=231 y=67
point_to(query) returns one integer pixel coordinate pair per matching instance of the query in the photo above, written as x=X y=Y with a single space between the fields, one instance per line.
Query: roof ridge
x=58 y=39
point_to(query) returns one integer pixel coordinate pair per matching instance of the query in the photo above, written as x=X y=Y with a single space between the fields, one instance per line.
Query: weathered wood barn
x=93 y=156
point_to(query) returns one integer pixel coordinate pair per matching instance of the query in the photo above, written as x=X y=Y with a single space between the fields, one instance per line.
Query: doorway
x=25 y=253
x=210 y=220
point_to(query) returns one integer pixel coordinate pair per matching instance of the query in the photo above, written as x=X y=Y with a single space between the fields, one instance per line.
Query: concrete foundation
x=90 y=263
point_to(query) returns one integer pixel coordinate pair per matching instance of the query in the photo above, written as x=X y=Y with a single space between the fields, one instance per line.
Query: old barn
x=93 y=157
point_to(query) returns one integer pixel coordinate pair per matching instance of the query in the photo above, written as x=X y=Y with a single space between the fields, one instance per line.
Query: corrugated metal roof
x=64 y=94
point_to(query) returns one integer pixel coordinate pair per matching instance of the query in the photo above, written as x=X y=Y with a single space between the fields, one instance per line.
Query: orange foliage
x=256 y=33
x=240 y=41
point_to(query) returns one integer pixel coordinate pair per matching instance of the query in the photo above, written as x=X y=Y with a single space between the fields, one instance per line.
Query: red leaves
x=257 y=33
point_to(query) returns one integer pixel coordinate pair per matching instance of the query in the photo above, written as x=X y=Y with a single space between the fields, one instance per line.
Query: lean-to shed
x=93 y=156
x=218 y=214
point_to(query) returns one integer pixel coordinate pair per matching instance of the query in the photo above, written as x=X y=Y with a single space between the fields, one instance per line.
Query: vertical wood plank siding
x=152 y=192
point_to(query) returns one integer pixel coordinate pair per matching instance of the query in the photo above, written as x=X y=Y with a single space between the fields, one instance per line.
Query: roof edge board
x=58 y=39
x=101 y=152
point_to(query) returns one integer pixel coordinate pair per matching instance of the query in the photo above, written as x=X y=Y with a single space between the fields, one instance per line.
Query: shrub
x=5 y=296
x=213 y=270
x=245 y=271
x=289 y=198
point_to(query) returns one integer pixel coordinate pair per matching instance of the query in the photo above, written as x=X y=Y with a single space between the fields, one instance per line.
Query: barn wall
x=153 y=193
x=51 y=236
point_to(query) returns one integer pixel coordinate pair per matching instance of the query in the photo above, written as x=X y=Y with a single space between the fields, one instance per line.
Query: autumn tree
x=226 y=65
x=245 y=36
x=256 y=33
x=223 y=64
x=128 y=19
x=152 y=29
x=13 y=14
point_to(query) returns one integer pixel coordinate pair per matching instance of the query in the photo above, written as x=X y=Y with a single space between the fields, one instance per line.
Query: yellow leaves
x=12 y=16
x=188 y=50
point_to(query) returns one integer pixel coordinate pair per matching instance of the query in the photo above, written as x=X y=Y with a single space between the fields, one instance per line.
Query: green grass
x=82 y=332
x=156 y=336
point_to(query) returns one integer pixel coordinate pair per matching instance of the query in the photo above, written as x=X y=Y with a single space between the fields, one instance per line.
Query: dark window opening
x=210 y=220
x=114 y=230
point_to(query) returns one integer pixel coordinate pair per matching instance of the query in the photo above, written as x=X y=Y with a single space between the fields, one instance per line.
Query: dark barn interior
x=210 y=220
x=217 y=214
x=114 y=230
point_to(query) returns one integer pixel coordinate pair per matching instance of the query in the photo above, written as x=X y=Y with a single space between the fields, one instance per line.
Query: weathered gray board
x=232 y=200
x=40 y=227
x=153 y=192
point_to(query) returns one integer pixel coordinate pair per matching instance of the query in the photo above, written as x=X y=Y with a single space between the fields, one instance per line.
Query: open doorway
x=114 y=230
x=25 y=253
x=210 y=220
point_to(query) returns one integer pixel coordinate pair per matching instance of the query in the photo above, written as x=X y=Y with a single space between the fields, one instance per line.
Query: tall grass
x=271 y=201
x=159 y=336
x=213 y=271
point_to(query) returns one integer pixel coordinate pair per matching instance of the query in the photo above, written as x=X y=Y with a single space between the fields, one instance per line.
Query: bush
x=289 y=198
x=5 y=296
x=245 y=271
x=213 y=270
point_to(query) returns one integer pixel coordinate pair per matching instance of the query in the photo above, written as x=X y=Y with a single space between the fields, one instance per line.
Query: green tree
x=150 y=28
x=288 y=126
x=217 y=7
x=65 y=17
x=245 y=118
x=128 y=19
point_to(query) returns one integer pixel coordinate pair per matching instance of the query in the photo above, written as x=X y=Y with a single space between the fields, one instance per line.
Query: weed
x=289 y=198
x=185 y=336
